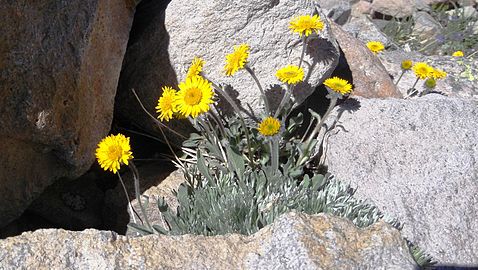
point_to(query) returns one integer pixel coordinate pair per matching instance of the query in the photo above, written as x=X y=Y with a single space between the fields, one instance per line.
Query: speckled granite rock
x=417 y=161
x=370 y=78
x=294 y=241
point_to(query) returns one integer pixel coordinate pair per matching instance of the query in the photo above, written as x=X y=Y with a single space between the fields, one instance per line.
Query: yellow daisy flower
x=306 y=24
x=437 y=74
x=237 y=59
x=338 y=85
x=113 y=151
x=430 y=83
x=375 y=46
x=196 y=67
x=290 y=74
x=458 y=54
x=269 y=126
x=422 y=70
x=165 y=106
x=407 y=64
x=194 y=96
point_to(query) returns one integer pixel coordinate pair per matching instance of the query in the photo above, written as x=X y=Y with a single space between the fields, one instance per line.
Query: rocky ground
x=66 y=76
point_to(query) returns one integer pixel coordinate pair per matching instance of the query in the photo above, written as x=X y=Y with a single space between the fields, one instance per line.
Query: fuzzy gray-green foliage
x=225 y=205
x=225 y=193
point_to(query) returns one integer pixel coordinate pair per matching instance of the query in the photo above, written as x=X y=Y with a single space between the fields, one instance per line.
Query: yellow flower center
x=193 y=96
x=114 y=152
x=167 y=104
x=290 y=73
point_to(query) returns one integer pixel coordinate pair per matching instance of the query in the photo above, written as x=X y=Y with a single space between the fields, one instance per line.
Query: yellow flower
x=430 y=83
x=306 y=24
x=375 y=46
x=422 y=70
x=338 y=85
x=269 y=126
x=196 y=67
x=437 y=74
x=194 y=96
x=407 y=64
x=237 y=59
x=113 y=151
x=458 y=54
x=290 y=74
x=166 y=106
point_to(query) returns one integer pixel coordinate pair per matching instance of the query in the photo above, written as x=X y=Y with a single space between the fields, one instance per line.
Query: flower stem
x=284 y=100
x=275 y=154
x=137 y=192
x=238 y=111
x=131 y=210
x=401 y=75
x=304 y=46
x=413 y=90
x=317 y=128
x=413 y=86
x=263 y=95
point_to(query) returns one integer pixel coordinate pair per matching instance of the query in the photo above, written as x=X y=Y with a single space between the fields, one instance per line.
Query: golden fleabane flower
x=437 y=74
x=430 y=83
x=458 y=54
x=165 y=107
x=306 y=24
x=196 y=67
x=194 y=96
x=422 y=70
x=375 y=46
x=270 y=126
x=237 y=59
x=290 y=74
x=338 y=85
x=407 y=64
x=113 y=151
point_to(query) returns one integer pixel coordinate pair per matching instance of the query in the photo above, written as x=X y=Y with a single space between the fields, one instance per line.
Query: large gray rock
x=161 y=50
x=59 y=66
x=394 y=8
x=263 y=25
x=294 y=241
x=416 y=160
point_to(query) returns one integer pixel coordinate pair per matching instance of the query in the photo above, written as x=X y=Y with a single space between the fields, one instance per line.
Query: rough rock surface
x=59 y=67
x=370 y=78
x=395 y=8
x=364 y=29
x=294 y=241
x=162 y=51
x=456 y=84
x=416 y=160
x=157 y=180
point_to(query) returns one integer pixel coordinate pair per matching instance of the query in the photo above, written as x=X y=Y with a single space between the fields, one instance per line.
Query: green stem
x=263 y=95
x=284 y=100
x=137 y=192
x=156 y=120
x=275 y=154
x=304 y=46
x=238 y=111
x=317 y=129
x=131 y=210
x=401 y=75
x=413 y=86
